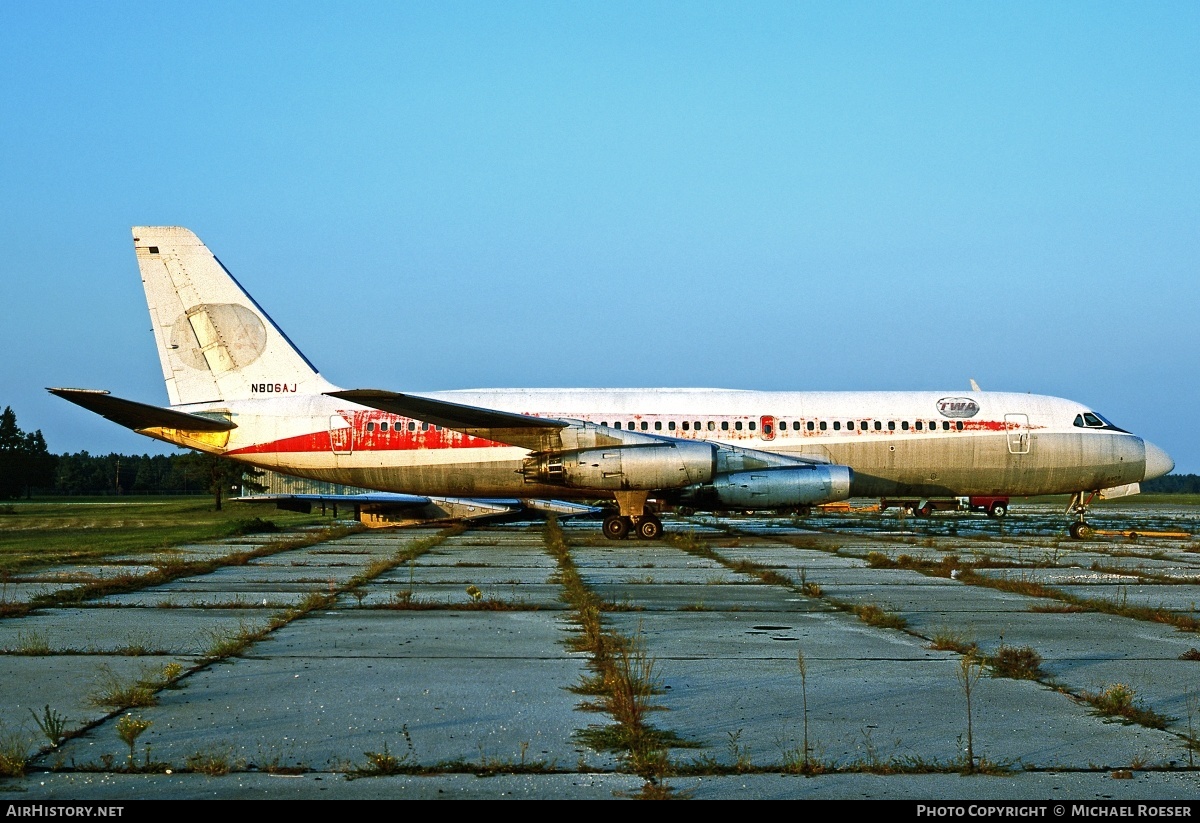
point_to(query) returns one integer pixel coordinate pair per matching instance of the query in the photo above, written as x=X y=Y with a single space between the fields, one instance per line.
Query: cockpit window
x=1091 y=420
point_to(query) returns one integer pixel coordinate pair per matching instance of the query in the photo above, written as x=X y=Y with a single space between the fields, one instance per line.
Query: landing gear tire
x=616 y=527
x=650 y=528
x=926 y=510
x=1080 y=530
x=997 y=510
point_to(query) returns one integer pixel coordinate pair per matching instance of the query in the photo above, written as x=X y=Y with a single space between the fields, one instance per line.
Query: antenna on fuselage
x=974 y=385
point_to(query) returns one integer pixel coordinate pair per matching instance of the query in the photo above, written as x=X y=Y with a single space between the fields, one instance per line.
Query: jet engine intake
x=782 y=487
x=636 y=467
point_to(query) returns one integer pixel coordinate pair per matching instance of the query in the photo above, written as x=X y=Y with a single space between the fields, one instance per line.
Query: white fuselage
x=920 y=443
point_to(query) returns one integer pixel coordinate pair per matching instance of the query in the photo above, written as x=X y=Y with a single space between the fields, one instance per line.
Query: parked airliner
x=238 y=387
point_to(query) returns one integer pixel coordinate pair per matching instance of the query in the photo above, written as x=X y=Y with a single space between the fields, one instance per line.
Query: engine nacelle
x=783 y=487
x=638 y=467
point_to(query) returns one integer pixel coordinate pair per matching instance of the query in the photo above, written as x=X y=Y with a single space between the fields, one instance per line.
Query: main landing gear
x=1080 y=529
x=633 y=518
x=618 y=527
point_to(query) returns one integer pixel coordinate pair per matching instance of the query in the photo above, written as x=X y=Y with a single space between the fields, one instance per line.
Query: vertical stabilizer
x=214 y=342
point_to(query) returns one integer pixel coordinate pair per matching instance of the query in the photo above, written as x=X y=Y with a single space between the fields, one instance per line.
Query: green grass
x=45 y=533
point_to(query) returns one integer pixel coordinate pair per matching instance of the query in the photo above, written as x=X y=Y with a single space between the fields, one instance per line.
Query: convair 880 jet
x=239 y=388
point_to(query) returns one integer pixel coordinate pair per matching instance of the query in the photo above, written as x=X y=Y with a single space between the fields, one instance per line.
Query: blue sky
x=768 y=195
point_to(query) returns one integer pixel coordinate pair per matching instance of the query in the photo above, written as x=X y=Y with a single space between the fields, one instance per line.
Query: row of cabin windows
x=412 y=426
x=688 y=425
x=811 y=425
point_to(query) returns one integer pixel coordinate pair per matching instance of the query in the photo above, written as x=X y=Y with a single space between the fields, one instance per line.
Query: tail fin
x=214 y=342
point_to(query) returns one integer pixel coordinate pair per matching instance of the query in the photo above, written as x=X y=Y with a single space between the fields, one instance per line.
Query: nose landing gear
x=1080 y=529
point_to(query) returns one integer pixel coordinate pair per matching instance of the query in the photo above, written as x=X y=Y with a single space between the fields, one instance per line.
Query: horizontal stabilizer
x=139 y=416
x=534 y=433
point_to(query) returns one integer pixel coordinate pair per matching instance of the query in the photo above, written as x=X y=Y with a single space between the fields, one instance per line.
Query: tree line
x=27 y=467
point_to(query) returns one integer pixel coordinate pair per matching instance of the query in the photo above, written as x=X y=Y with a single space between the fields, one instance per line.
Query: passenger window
x=424 y=427
x=370 y=427
x=412 y=425
x=850 y=425
x=824 y=425
x=904 y=425
x=891 y=425
x=795 y=425
x=712 y=426
x=383 y=426
x=837 y=425
x=697 y=425
x=811 y=425
x=645 y=425
x=918 y=425
x=958 y=424
x=878 y=425
x=617 y=424
x=684 y=424
x=658 y=425
x=738 y=425
x=724 y=425
x=753 y=425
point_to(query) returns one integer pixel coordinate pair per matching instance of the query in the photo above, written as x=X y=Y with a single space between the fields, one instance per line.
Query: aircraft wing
x=533 y=433
x=388 y=508
x=548 y=435
x=139 y=416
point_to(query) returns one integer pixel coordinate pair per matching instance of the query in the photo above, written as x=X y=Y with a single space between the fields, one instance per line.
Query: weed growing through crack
x=52 y=723
x=34 y=644
x=948 y=639
x=385 y=763
x=1016 y=662
x=970 y=668
x=739 y=753
x=622 y=676
x=1119 y=701
x=114 y=692
x=230 y=643
x=213 y=760
x=129 y=729
x=876 y=616
x=14 y=748
x=802 y=664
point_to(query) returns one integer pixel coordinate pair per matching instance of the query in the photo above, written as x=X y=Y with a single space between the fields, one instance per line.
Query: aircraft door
x=1017 y=426
x=341 y=435
x=767 y=426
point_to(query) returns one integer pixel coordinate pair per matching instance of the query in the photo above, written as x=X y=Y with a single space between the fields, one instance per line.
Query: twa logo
x=273 y=388
x=957 y=407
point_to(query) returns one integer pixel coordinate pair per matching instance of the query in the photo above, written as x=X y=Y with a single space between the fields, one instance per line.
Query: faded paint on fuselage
x=1014 y=444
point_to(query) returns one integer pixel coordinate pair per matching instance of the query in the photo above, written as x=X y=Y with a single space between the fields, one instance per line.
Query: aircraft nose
x=1158 y=462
